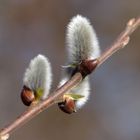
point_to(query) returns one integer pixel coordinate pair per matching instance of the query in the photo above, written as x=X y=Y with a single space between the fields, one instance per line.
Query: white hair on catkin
x=82 y=89
x=81 y=40
x=82 y=44
x=38 y=75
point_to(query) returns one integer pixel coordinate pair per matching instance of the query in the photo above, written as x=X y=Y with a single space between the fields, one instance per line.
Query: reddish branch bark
x=31 y=112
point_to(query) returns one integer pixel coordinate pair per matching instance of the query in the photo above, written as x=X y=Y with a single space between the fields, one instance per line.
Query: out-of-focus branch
x=31 y=112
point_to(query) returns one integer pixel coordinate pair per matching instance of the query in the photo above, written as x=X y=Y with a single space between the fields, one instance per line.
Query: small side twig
x=122 y=39
x=119 y=43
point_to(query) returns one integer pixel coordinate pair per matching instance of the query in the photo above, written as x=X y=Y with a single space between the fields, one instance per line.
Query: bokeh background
x=30 y=27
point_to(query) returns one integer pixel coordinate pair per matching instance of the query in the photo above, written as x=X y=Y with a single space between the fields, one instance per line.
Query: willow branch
x=122 y=39
x=31 y=112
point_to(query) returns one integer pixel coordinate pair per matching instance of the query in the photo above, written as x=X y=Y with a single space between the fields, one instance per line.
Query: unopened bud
x=68 y=105
x=27 y=96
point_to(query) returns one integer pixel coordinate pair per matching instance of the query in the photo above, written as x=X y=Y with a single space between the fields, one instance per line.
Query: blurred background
x=30 y=27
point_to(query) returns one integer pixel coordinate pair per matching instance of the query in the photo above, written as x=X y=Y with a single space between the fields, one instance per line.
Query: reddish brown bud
x=27 y=96
x=87 y=66
x=67 y=106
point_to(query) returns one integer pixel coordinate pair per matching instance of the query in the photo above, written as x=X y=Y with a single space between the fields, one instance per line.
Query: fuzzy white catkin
x=38 y=75
x=81 y=40
x=82 y=44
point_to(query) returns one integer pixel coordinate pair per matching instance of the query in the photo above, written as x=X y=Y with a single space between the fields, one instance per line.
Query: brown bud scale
x=67 y=106
x=27 y=96
x=87 y=66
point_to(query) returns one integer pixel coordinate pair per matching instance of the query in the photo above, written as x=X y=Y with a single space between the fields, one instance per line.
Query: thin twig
x=119 y=43
x=122 y=39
